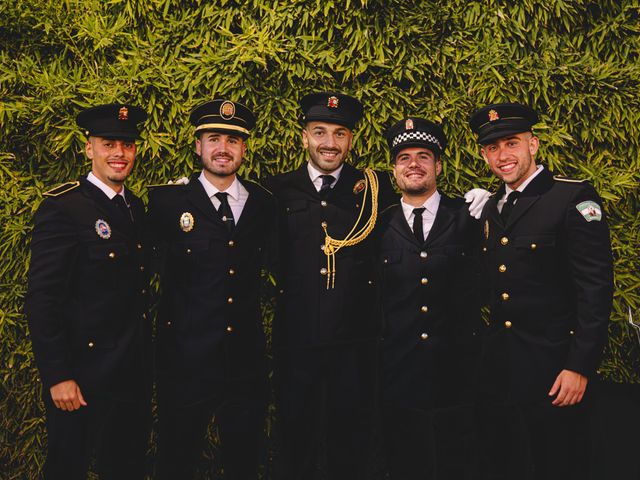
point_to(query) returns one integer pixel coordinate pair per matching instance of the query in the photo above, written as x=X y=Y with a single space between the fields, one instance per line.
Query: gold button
x=533 y=246
x=505 y=296
x=508 y=324
x=424 y=280
x=112 y=254
x=188 y=251
x=281 y=291
x=142 y=268
x=168 y=323
x=323 y=271
x=323 y=203
x=484 y=249
x=230 y=300
x=423 y=254
x=385 y=260
x=424 y=336
x=143 y=291
x=323 y=224
x=571 y=332
x=232 y=271
x=144 y=316
x=502 y=268
x=370 y=282
x=322 y=247
x=90 y=344
x=424 y=309
x=504 y=240
x=139 y=246
x=229 y=329
x=231 y=243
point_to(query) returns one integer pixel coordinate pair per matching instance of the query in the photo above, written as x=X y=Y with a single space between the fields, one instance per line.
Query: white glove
x=185 y=181
x=476 y=197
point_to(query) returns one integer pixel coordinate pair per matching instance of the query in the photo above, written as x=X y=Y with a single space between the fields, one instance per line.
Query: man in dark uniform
x=215 y=233
x=428 y=283
x=87 y=308
x=327 y=322
x=549 y=272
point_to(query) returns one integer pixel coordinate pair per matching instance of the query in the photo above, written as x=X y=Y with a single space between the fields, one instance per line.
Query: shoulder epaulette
x=567 y=179
x=167 y=185
x=388 y=208
x=60 y=189
x=259 y=185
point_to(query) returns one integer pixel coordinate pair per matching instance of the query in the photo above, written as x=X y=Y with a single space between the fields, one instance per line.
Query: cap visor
x=501 y=133
x=116 y=135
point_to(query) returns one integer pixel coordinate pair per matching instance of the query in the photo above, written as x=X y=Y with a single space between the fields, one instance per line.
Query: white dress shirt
x=428 y=216
x=521 y=188
x=106 y=189
x=315 y=174
x=237 y=195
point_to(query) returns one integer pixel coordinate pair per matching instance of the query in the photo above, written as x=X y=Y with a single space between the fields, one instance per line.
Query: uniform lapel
x=137 y=209
x=113 y=215
x=249 y=211
x=197 y=196
x=302 y=180
x=531 y=194
x=444 y=218
x=348 y=178
x=399 y=223
x=492 y=207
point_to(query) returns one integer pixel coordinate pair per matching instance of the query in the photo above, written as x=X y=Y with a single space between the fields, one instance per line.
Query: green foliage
x=576 y=61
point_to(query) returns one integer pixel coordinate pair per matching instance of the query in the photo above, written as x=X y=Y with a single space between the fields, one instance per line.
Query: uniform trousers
x=426 y=444
x=535 y=441
x=324 y=402
x=238 y=408
x=115 y=431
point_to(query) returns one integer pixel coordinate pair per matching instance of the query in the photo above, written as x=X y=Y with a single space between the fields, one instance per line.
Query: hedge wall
x=576 y=61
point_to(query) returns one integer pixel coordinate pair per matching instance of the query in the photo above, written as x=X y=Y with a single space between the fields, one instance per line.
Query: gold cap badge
x=227 y=110
x=408 y=125
x=333 y=102
x=123 y=113
x=493 y=116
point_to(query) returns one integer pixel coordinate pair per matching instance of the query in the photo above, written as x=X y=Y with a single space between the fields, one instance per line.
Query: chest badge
x=486 y=229
x=187 y=222
x=103 y=229
x=358 y=187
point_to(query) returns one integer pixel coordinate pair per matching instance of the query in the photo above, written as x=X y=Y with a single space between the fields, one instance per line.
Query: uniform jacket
x=309 y=314
x=86 y=303
x=209 y=322
x=550 y=278
x=431 y=309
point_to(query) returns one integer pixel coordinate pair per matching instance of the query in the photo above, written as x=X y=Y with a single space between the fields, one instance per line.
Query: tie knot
x=327 y=180
x=418 y=211
x=513 y=196
x=222 y=196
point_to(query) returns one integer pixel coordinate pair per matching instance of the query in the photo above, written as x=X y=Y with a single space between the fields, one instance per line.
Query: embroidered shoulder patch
x=590 y=210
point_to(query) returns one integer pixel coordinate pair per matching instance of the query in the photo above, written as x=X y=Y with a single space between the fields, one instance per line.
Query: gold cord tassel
x=331 y=245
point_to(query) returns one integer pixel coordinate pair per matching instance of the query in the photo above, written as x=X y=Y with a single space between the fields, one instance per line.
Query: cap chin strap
x=221 y=126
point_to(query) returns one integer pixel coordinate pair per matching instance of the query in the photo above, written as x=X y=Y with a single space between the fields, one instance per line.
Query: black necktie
x=417 y=224
x=226 y=215
x=508 y=205
x=123 y=207
x=327 y=181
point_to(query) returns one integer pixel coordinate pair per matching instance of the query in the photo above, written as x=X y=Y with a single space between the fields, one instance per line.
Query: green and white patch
x=590 y=211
